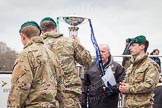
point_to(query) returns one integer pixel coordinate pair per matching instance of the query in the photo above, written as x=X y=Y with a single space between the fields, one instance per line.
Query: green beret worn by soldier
x=141 y=77
x=37 y=76
x=68 y=51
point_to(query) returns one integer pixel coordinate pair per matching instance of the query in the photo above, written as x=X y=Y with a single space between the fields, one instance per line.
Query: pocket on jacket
x=140 y=74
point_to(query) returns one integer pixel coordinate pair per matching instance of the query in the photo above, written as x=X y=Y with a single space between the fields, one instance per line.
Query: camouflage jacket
x=142 y=76
x=69 y=52
x=37 y=77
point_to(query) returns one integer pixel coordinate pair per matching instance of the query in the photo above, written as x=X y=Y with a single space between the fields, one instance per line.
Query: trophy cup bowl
x=73 y=21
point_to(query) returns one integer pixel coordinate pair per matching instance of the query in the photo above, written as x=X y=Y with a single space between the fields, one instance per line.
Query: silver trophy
x=73 y=21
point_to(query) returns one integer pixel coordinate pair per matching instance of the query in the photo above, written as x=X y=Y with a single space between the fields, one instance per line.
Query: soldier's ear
x=142 y=46
x=22 y=36
x=55 y=30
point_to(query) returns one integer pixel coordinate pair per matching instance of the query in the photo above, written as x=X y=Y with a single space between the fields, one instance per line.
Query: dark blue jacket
x=157 y=60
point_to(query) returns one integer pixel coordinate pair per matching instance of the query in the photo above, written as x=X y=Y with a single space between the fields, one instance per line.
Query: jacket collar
x=108 y=62
x=51 y=34
x=36 y=39
x=139 y=58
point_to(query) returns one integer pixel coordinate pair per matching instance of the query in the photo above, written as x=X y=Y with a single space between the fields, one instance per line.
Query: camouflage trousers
x=71 y=100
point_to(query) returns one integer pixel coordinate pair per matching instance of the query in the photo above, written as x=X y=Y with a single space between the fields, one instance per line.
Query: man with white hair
x=94 y=90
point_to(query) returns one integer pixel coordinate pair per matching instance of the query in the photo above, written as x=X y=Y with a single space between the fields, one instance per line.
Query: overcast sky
x=113 y=20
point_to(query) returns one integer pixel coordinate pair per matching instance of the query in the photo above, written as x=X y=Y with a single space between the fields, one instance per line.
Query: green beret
x=47 y=19
x=33 y=23
x=138 y=39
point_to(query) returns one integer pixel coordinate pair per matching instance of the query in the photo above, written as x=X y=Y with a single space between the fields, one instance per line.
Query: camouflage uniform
x=142 y=77
x=37 y=78
x=69 y=51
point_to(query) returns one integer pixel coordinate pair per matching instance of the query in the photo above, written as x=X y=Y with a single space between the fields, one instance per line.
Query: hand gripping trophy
x=74 y=21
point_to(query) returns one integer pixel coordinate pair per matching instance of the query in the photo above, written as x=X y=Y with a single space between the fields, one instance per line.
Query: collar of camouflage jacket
x=51 y=34
x=139 y=58
x=36 y=39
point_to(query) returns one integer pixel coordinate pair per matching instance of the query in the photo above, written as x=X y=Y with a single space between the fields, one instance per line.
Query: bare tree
x=7 y=57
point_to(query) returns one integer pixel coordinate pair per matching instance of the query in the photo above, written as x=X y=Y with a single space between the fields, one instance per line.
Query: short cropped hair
x=30 y=31
x=146 y=43
x=47 y=26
